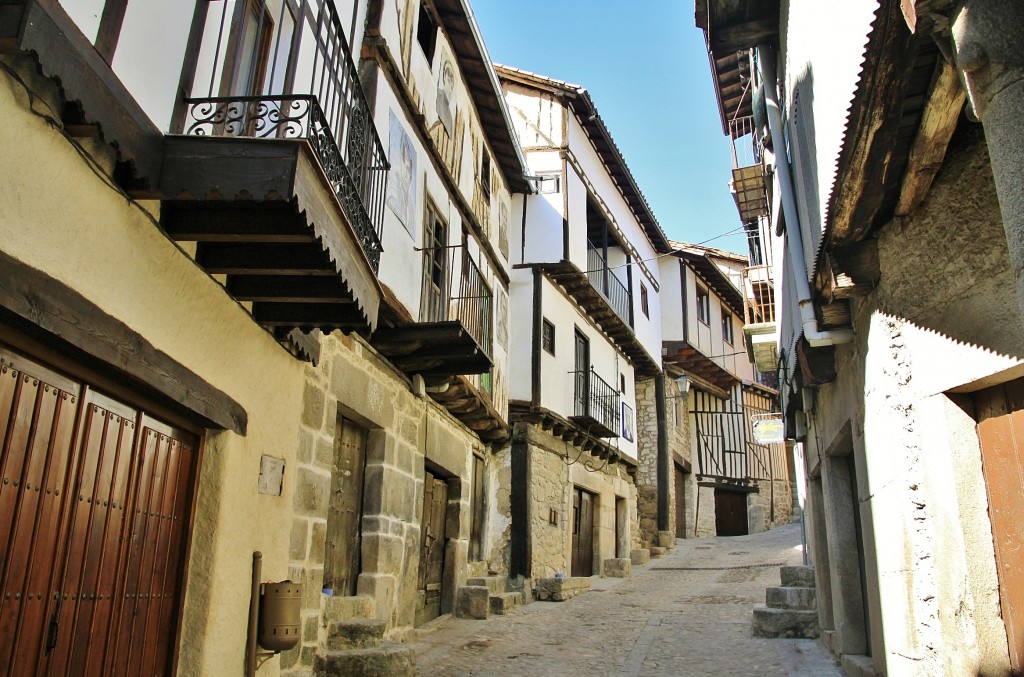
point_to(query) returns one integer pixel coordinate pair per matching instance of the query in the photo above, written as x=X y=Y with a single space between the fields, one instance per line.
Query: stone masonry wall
x=403 y=429
x=678 y=433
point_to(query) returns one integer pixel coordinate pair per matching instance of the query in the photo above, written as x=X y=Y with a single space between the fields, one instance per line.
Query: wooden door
x=730 y=513
x=94 y=504
x=582 y=533
x=345 y=513
x=680 y=479
x=432 y=546
x=1000 y=413
x=581 y=392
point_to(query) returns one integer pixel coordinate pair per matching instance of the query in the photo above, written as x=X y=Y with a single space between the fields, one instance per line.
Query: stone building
x=254 y=300
x=891 y=150
x=585 y=294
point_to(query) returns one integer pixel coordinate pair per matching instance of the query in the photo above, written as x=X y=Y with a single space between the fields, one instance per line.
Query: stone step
x=785 y=623
x=657 y=551
x=355 y=633
x=801 y=599
x=496 y=584
x=388 y=660
x=473 y=601
x=560 y=589
x=797 y=577
x=640 y=556
x=503 y=602
x=618 y=567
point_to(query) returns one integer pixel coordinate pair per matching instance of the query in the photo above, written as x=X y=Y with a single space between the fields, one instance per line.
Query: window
x=426 y=34
x=727 y=327
x=643 y=300
x=703 y=305
x=622 y=383
x=547 y=337
x=485 y=174
x=549 y=183
x=435 y=268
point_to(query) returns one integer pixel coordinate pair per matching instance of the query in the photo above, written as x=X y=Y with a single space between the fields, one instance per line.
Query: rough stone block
x=496 y=584
x=472 y=601
x=791 y=598
x=561 y=589
x=389 y=660
x=312 y=493
x=355 y=633
x=658 y=551
x=858 y=666
x=504 y=602
x=797 y=577
x=618 y=567
x=347 y=608
x=666 y=539
x=785 y=623
x=313 y=406
x=299 y=539
x=640 y=556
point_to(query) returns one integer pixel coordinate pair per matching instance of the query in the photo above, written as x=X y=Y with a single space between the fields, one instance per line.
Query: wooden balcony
x=453 y=336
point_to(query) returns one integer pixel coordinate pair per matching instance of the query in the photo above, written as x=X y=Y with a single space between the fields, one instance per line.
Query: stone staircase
x=356 y=646
x=486 y=595
x=791 y=609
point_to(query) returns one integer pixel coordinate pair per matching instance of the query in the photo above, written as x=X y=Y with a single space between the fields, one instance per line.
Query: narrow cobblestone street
x=686 y=613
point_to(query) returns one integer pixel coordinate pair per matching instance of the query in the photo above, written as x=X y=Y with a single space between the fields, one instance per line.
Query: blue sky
x=646 y=67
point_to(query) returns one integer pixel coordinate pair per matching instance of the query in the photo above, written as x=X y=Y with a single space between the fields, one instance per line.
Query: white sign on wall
x=768 y=428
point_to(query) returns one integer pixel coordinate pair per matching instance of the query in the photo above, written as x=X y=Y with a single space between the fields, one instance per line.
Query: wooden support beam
x=307 y=315
x=289 y=288
x=237 y=222
x=743 y=35
x=264 y=259
x=938 y=122
x=850 y=271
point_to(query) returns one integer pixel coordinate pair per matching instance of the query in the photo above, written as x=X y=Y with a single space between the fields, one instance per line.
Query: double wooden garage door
x=95 y=500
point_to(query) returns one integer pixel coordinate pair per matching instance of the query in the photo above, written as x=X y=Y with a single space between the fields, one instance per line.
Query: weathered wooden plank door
x=582 y=533
x=680 y=478
x=435 y=505
x=94 y=505
x=1000 y=412
x=730 y=513
x=345 y=512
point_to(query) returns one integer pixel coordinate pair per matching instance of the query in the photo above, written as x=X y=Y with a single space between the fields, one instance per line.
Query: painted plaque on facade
x=402 y=178
x=503 y=319
x=503 y=230
x=446 y=94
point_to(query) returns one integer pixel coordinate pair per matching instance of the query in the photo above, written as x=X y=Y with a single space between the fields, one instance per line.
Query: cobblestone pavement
x=686 y=613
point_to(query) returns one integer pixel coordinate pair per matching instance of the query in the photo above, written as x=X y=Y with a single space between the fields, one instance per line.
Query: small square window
x=643 y=300
x=549 y=183
x=547 y=337
x=727 y=327
x=703 y=305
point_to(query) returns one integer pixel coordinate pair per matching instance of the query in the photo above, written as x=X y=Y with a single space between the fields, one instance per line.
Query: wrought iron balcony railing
x=471 y=303
x=260 y=97
x=610 y=287
x=595 y=400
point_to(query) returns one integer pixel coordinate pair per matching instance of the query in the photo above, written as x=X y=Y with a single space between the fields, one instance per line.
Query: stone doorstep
x=856 y=665
x=785 y=623
x=355 y=633
x=388 y=660
x=618 y=567
x=473 y=601
x=797 y=577
x=496 y=584
x=346 y=608
x=801 y=599
x=504 y=602
x=640 y=556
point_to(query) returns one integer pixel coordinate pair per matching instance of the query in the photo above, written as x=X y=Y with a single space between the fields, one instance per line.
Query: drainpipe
x=794 y=251
x=990 y=56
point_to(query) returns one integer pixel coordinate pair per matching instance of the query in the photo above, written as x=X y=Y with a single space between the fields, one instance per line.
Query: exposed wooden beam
x=851 y=271
x=744 y=35
x=938 y=122
x=237 y=222
x=307 y=315
x=264 y=259
x=292 y=289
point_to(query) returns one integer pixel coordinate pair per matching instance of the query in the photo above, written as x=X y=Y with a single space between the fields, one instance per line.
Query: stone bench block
x=355 y=633
x=640 y=556
x=389 y=660
x=785 y=623
x=797 y=577
x=561 y=589
x=496 y=584
x=473 y=601
x=658 y=551
x=802 y=599
x=503 y=602
x=618 y=567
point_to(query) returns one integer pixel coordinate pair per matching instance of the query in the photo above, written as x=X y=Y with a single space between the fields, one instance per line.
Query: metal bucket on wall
x=280 y=615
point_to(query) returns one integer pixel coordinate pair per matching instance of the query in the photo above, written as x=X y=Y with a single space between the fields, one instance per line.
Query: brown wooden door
x=345 y=513
x=582 y=533
x=94 y=502
x=1000 y=412
x=730 y=513
x=680 y=478
x=432 y=546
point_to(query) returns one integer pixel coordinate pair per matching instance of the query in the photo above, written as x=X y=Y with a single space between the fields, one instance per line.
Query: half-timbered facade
x=585 y=295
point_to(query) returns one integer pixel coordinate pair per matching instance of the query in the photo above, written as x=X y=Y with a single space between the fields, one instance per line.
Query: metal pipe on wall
x=254 y=612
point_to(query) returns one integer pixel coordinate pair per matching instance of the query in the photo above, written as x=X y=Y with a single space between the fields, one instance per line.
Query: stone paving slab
x=686 y=613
